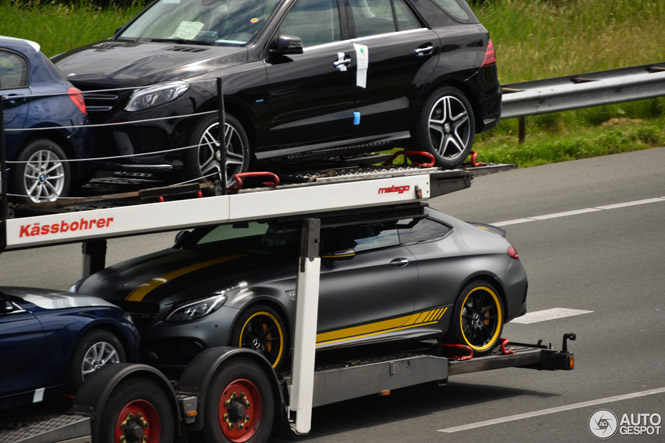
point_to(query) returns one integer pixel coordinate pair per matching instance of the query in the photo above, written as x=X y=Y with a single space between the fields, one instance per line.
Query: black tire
x=478 y=318
x=261 y=328
x=95 y=350
x=200 y=161
x=240 y=404
x=41 y=174
x=137 y=407
x=445 y=127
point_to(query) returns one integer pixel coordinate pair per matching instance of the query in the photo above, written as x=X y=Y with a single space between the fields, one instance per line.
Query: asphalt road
x=590 y=234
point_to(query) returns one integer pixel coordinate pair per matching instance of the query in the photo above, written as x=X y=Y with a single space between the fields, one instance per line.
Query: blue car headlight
x=197 y=308
x=156 y=95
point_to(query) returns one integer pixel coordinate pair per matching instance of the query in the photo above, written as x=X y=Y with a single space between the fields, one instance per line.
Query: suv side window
x=13 y=71
x=421 y=230
x=316 y=22
x=373 y=17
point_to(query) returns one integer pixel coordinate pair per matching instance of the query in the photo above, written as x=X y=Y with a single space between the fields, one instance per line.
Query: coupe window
x=13 y=71
x=233 y=22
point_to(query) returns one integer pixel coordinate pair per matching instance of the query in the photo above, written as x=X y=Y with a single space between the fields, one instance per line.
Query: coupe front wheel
x=478 y=318
x=261 y=328
x=445 y=127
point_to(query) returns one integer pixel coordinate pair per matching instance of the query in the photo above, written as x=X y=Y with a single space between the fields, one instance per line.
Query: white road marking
x=532 y=414
x=548 y=314
x=579 y=211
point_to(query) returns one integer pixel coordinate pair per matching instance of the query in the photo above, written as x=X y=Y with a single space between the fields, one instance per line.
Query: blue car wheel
x=41 y=174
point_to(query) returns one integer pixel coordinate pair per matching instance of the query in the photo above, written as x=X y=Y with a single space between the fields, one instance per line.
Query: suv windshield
x=232 y=22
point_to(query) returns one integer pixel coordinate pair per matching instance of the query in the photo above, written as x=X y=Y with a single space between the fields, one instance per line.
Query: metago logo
x=393 y=188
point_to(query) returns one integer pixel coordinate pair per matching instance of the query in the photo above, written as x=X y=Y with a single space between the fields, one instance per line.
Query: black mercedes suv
x=298 y=76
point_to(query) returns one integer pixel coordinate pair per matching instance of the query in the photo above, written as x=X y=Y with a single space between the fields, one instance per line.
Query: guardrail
x=581 y=91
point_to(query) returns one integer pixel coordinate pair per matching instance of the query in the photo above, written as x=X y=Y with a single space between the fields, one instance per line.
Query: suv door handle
x=399 y=262
x=424 y=50
x=343 y=62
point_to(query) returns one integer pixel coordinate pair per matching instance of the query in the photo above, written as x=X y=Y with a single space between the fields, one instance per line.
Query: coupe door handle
x=399 y=262
x=424 y=50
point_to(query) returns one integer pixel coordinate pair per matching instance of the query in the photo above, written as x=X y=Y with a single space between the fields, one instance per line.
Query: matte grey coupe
x=430 y=276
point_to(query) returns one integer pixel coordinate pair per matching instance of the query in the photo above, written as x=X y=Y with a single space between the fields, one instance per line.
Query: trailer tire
x=137 y=408
x=240 y=404
x=478 y=318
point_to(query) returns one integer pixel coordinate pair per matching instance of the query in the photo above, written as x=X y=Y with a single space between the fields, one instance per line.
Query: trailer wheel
x=239 y=406
x=261 y=328
x=478 y=318
x=137 y=411
x=445 y=127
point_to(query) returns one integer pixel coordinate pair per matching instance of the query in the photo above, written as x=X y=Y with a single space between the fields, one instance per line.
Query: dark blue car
x=51 y=341
x=43 y=113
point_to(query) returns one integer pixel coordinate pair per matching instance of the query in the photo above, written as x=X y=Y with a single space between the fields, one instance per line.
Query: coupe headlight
x=197 y=309
x=156 y=95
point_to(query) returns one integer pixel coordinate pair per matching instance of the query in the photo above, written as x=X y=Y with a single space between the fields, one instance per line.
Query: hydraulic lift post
x=304 y=340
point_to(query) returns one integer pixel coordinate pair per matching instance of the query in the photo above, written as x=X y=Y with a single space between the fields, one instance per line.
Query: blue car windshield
x=226 y=22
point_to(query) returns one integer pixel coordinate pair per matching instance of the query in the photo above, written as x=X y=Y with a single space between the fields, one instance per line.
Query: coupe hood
x=176 y=275
x=124 y=63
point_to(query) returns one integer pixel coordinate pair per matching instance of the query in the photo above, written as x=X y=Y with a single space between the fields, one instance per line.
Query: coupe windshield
x=232 y=22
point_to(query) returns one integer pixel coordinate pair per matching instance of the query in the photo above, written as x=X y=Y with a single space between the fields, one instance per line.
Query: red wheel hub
x=138 y=422
x=240 y=410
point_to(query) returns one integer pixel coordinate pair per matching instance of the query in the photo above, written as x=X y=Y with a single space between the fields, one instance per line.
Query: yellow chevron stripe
x=139 y=293
x=381 y=327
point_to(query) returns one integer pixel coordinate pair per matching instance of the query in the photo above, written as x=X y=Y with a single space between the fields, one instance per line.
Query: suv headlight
x=156 y=95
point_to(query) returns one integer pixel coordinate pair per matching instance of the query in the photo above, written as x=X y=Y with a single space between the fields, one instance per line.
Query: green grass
x=533 y=39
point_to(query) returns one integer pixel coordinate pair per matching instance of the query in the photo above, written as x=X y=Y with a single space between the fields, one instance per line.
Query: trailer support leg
x=94 y=256
x=304 y=342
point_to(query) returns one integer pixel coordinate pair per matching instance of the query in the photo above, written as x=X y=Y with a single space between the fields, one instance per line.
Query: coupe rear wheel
x=202 y=161
x=239 y=406
x=478 y=318
x=261 y=328
x=445 y=127
x=41 y=174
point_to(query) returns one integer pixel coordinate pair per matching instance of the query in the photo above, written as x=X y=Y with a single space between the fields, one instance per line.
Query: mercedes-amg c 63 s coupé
x=430 y=276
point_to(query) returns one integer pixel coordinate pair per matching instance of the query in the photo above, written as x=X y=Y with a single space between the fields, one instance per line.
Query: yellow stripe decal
x=139 y=293
x=381 y=327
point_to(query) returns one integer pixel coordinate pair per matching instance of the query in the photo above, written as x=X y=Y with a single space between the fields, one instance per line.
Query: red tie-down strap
x=475 y=163
x=239 y=179
x=504 y=343
x=427 y=155
x=467 y=349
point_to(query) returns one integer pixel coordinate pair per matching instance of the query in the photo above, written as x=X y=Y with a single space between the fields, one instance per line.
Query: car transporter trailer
x=111 y=405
